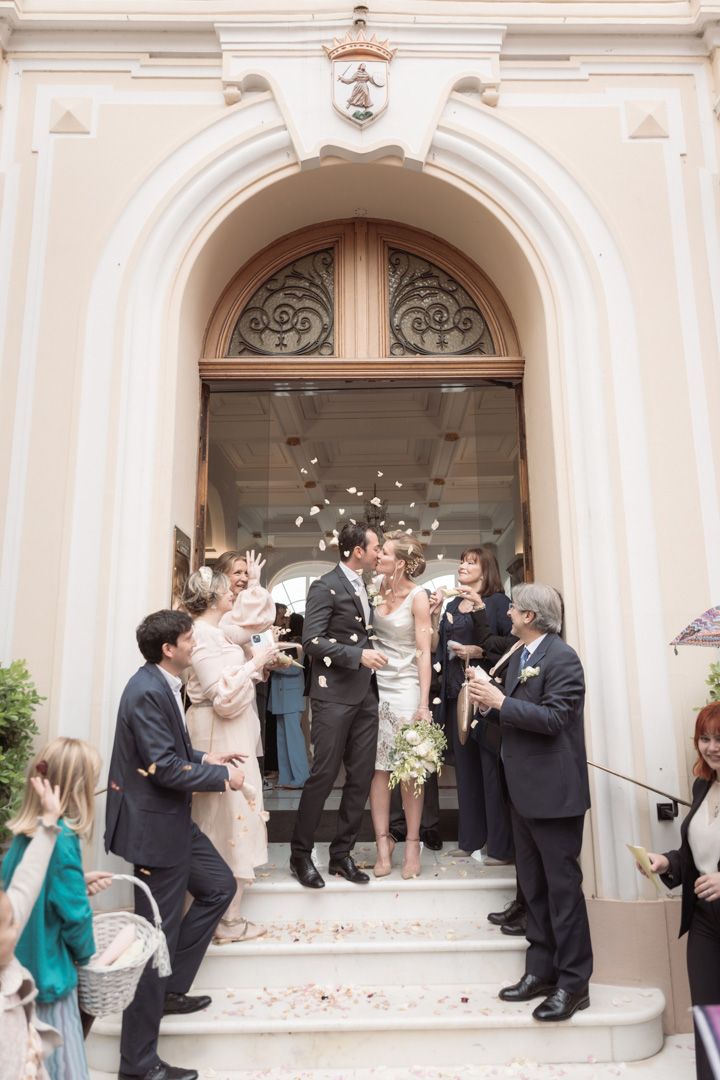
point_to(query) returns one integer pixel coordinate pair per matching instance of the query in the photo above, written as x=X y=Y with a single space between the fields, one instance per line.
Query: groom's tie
x=524 y=657
x=361 y=592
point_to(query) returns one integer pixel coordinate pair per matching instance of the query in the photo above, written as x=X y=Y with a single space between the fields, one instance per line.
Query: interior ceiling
x=453 y=447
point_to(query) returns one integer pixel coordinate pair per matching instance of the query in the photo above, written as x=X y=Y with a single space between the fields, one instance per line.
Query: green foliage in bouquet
x=713 y=681
x=18 y=700
x=417 y=753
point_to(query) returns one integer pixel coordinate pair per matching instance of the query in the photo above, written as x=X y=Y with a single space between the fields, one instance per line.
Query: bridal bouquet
x=416 y=753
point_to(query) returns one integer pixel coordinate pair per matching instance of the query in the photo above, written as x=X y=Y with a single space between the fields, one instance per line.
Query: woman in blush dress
x=479 y=584
x=223 y=718
x=233 y=564
x=401 y=624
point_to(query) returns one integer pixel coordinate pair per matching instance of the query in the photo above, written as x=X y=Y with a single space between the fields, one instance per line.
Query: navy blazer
x=153 y=773
x=543 y=741
x=335 y=629
x=683 y=870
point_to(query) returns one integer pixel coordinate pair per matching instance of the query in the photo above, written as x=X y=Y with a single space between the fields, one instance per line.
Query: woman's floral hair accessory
x=206 y=576
x=42 y=768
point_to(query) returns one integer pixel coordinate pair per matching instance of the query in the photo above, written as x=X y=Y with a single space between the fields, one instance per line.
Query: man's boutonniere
x=528 y=673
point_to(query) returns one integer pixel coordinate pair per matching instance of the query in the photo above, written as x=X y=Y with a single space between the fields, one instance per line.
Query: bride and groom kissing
x=370 y=675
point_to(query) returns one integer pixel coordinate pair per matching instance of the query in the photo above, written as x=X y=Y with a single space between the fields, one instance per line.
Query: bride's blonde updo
x=409 y=550
x=202 y=590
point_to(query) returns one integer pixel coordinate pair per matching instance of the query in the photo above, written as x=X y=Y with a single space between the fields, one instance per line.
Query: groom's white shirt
x=358 y=585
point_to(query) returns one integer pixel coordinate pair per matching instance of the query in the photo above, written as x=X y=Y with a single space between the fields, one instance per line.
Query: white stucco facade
x=570 y=150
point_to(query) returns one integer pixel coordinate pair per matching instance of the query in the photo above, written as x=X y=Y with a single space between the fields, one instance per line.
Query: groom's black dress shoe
x=561 y=1005
x=530 y=986
x=345 y=867
x=183 y=1003
x=432 y=839
x=162 y=1071
x=303 y=868
x=514 y=929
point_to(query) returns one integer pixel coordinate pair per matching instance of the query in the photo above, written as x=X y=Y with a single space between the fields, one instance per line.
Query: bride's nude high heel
x=383 y=866
x=411 y=866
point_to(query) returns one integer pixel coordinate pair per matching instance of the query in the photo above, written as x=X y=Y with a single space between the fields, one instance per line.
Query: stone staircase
x=396 y=973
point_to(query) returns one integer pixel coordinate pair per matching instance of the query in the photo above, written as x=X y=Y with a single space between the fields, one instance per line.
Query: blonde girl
x=58 y=936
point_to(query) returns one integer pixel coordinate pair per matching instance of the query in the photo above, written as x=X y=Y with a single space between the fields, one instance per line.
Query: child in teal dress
x=59 y=933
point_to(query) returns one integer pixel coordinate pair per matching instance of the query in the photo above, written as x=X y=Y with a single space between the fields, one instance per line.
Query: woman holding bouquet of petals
x=401 y=623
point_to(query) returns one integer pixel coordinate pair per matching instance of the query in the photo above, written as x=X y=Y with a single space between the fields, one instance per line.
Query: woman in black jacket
x=695 y=865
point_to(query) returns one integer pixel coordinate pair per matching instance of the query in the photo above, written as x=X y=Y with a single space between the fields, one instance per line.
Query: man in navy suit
x=545 y=767
x=153 y=773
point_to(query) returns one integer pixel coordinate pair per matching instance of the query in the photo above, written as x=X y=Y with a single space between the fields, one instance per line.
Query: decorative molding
x=71 y=116
x=298 y=369
x=646 y=120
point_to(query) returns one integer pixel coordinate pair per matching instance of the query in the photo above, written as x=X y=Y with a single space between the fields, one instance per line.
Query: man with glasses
x=545 y=766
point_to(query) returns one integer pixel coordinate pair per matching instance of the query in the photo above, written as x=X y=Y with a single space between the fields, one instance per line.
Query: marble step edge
x=643 y=1006
x=385 y=885
x=256 y=948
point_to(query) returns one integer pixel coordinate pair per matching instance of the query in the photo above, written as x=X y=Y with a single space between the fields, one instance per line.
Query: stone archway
x=156 y=274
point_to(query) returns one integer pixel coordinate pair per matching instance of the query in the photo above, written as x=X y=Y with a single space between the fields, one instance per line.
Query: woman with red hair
x=696 y=866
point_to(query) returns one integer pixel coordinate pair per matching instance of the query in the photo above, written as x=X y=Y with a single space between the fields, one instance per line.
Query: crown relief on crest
x=359 y=48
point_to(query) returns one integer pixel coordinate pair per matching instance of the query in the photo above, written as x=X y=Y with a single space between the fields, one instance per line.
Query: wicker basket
x=109 y=990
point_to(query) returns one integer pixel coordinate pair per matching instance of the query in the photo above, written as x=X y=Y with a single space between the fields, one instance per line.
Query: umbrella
x=705 y=630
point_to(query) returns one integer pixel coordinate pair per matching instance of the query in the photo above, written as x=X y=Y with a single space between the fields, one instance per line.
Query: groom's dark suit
x=545 y=764
x=344 y=711
x=153 y=773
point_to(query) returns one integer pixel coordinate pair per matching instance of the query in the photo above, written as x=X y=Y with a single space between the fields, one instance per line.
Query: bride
x=401 y=624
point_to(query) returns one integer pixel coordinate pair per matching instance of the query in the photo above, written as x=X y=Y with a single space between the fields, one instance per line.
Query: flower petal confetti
x=353 y=521
x=398 y=484
x=353 y=637
x=327 y=661
x=411 y=505
x=436 y=701
x=360 y=493
x=380 y=473
x=341 y=511
x=441 y=556
x=376 y=500
x=316 y=641
x=298 y=521
x=313 y=461
x=346 y=554
x=322 y=681
x=401 y=522
x=327 y=502
x=304 y=471
x=351 y=490
x=143 y=772
x=438 y=666
x=314 y=510
x=322 y=545
x=152 y=769
x=435 y=525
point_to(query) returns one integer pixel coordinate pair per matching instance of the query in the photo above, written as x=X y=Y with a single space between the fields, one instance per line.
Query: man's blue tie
x=524 y=657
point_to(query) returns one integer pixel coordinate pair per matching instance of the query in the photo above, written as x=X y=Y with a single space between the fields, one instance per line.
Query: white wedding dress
x=399 y=681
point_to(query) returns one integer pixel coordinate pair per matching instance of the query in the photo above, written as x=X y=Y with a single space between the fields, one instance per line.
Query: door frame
x=454 y=369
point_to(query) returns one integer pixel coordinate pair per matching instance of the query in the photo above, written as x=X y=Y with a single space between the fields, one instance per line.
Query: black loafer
x=511 y=913
x=345 y=867
x=162 y=1071
x=431 y=839
x=530 y=986
x=303 y=868
x=183 y=1003
x=514 y=929
x=561 y=1005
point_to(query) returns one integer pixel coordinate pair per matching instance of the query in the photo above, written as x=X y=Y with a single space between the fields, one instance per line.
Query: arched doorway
x=381 y=321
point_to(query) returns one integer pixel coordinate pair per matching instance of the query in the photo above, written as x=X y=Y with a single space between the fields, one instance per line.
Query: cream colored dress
x=223 y=718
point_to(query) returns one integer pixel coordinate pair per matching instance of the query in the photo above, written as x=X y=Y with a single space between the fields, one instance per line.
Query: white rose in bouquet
x=424 y=748
x=412 y=737
x=430 y=767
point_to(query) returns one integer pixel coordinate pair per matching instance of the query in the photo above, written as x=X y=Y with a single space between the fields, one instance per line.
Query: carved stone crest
x=360 y=68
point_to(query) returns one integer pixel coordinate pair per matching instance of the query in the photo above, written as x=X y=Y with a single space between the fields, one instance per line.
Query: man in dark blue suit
x=153 y=773
x=545 y=767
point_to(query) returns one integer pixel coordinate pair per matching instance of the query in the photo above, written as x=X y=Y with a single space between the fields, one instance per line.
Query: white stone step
x=319 y=1026
x=447 y=887
x=393 y=952
x=675 y=1061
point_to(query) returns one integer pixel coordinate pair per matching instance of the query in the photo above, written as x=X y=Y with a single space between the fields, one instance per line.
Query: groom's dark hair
x=352 y=536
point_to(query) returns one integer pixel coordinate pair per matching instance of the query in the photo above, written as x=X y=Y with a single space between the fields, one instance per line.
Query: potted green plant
x=18 y=701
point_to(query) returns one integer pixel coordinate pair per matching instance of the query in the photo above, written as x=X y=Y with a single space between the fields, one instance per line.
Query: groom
x=344 y=699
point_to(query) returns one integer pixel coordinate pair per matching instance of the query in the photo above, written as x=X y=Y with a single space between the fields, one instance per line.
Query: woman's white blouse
x=704 y=832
